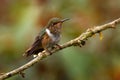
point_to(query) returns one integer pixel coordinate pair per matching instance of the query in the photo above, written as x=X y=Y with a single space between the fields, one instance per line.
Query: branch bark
x=79 y=41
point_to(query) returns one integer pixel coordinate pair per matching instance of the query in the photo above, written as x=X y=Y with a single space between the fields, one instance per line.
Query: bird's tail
x=28 y=52
x=32 y=51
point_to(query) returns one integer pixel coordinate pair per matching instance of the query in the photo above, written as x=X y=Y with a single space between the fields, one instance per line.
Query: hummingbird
x=48 y=37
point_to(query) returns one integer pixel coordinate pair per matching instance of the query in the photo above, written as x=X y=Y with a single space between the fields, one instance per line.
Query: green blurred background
x=21 y=20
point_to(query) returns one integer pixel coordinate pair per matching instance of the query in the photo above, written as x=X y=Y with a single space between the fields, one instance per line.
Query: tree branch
x=79 y=41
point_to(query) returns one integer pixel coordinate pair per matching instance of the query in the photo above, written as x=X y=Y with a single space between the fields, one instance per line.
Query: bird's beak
x=63 y=20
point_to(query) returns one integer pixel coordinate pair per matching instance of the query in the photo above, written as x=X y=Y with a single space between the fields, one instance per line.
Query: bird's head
x=55 y=21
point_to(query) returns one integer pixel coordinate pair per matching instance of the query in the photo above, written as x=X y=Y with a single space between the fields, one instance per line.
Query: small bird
x=48 y=37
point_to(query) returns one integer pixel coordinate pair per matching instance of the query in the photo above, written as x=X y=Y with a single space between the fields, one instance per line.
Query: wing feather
x=36 y=46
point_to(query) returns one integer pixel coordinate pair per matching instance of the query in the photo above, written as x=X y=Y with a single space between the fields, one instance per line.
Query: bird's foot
x=58 y=46
x=48 y=52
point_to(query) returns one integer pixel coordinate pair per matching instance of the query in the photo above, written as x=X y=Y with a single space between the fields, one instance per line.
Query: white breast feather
x=50 y=34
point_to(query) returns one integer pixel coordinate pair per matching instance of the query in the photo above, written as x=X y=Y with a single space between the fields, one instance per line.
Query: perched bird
x=48 y=37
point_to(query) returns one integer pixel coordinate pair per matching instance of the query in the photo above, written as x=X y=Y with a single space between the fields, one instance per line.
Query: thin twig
x=79 y=41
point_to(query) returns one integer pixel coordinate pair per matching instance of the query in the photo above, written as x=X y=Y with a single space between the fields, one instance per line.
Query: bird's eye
x=54 y=23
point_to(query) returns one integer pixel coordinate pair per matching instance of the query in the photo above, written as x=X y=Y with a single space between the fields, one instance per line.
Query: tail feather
x=28 y=52
x=32 y=51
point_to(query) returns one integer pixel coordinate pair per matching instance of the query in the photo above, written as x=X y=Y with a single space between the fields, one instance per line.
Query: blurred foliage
x=21 y=20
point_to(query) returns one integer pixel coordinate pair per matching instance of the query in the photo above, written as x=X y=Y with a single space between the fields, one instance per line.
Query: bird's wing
x=39 y=38
x=37 y=45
